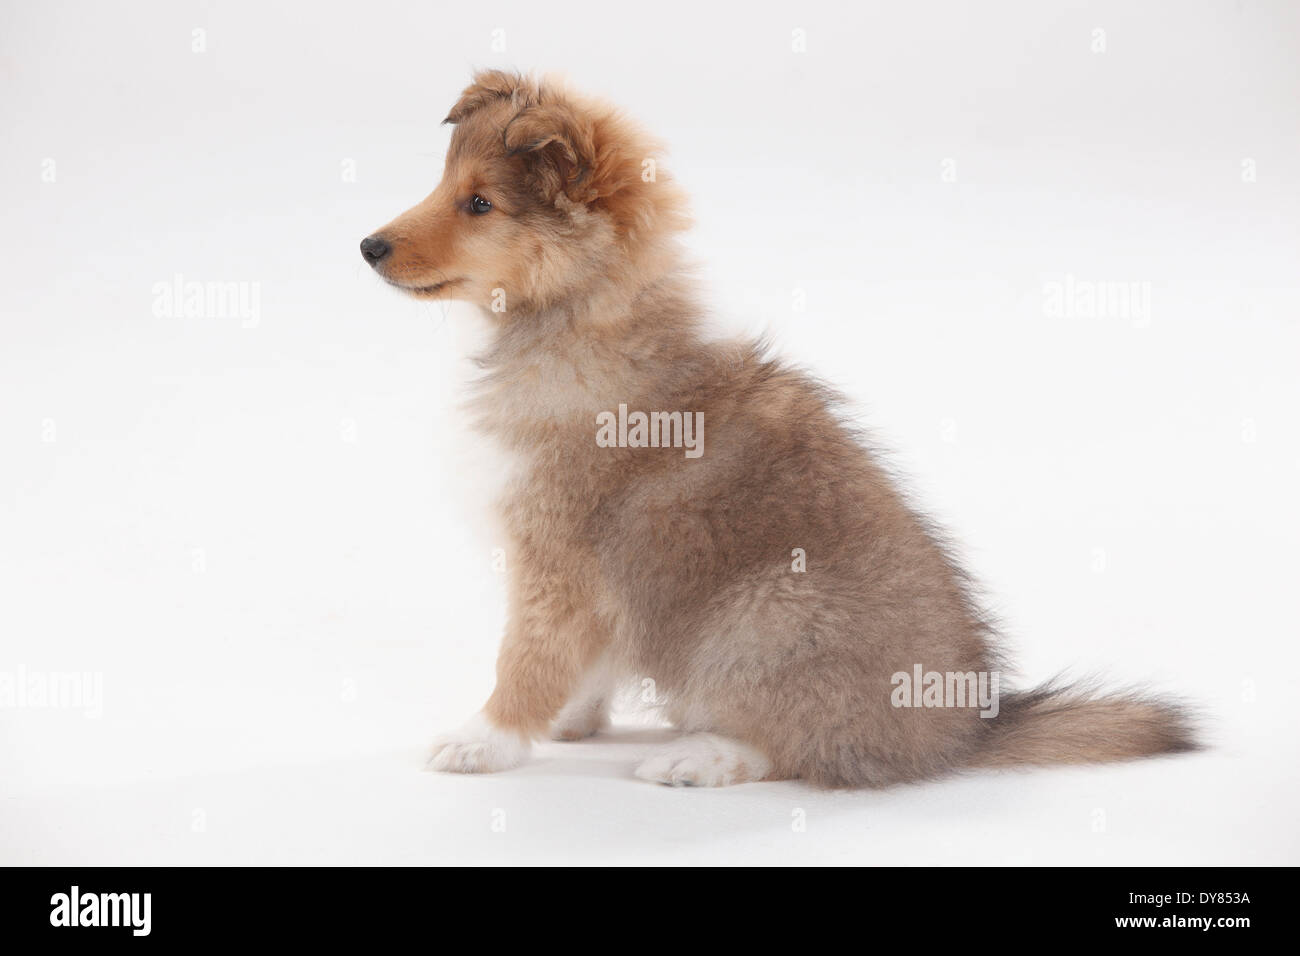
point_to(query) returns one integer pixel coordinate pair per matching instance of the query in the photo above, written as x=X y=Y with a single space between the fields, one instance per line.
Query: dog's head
x=543 y=191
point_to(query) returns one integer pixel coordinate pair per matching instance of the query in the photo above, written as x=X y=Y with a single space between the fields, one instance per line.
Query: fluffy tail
x=1057 y=724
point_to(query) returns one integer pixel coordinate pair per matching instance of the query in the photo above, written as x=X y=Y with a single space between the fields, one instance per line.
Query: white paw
x=478 y=747
x=704 y=760
x=579 y=722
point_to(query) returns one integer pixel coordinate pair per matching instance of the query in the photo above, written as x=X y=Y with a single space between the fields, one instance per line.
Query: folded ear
x=559 y=147
x=488 y=86
x=569 y=145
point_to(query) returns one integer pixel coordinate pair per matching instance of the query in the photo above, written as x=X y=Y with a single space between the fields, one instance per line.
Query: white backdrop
x=255 y=524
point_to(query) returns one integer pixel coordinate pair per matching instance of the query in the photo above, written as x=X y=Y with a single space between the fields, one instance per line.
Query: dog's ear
x=559 y=147
x=488 y=86
x=569 y=146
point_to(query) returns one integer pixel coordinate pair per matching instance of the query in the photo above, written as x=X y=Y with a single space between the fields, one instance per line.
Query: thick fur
x=1061 y=724
x=643 y=563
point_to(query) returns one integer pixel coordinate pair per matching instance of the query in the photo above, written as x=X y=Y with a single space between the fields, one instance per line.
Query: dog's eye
x=478 y=206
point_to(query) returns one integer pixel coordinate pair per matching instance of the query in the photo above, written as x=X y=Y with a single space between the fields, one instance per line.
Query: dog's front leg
x=549 y=643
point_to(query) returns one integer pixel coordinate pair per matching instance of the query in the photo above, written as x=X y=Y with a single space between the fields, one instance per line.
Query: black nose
x=373 y=249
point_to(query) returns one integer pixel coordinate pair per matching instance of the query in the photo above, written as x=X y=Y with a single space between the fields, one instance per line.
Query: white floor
x=576 y=803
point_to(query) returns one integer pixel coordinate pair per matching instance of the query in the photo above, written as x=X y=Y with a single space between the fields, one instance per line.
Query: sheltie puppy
x=690 y=513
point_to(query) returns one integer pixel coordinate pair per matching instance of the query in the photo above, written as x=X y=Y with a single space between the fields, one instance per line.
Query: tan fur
x=675 y=569
x=1063 y=725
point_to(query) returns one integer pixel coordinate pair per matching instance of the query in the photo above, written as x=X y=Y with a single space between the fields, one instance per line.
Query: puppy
x=690 y=512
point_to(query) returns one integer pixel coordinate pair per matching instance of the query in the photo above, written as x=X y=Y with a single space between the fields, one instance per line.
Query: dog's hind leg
x=587 y=711
x=704 y=760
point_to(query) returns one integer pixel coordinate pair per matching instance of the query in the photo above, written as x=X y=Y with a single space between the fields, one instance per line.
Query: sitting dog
x=690 y=512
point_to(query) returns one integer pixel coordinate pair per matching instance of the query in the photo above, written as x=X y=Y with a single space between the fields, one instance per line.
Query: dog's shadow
x=582 y=800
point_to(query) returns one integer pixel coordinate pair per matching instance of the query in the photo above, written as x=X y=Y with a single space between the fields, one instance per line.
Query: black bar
x=942 y=906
